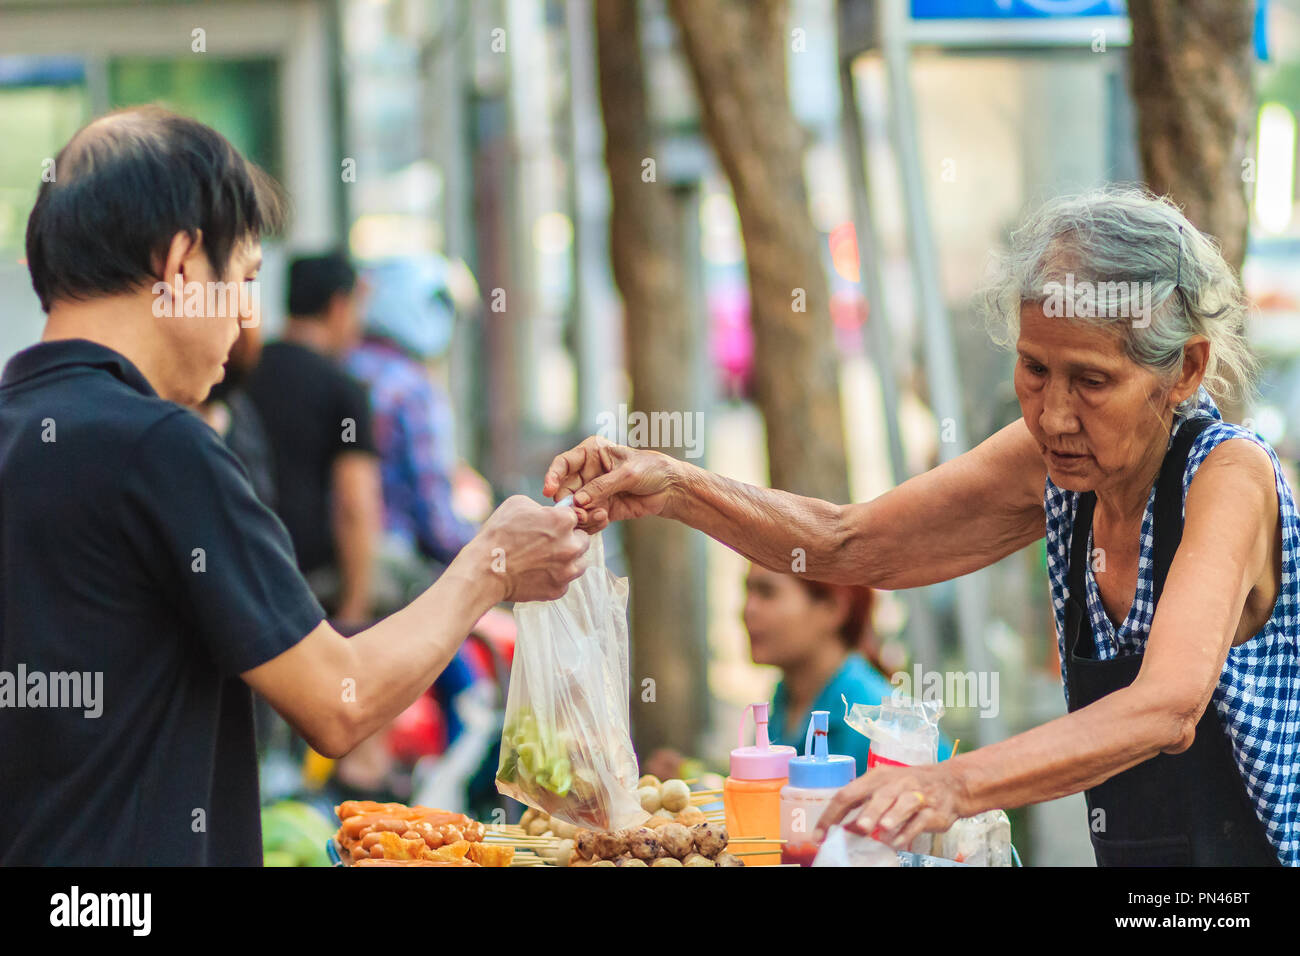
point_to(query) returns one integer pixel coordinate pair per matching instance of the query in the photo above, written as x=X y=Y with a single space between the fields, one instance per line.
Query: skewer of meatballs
x=667 y=844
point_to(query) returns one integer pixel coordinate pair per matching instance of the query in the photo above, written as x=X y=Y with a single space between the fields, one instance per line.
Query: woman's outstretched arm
x=954 y=519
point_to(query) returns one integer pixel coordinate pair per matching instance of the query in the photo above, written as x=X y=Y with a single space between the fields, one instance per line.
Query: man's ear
x=180 y=256
x=337 y=310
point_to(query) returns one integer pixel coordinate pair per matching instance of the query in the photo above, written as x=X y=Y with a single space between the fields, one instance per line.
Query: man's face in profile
x=200 y=344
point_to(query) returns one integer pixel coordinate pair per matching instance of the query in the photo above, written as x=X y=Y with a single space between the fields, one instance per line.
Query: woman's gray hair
x=1123 y=258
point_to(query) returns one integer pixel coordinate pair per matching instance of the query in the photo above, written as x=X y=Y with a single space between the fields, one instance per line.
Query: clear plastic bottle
x=814 y=780
x=751 y=795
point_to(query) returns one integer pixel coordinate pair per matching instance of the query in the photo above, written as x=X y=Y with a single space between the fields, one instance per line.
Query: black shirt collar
x=48 y=356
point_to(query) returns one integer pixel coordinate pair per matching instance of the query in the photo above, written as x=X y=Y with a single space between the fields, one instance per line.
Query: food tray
x=523 y=857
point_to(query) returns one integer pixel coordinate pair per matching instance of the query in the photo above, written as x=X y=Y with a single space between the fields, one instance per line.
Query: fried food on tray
x=393 y=834
x=452 y=851
x=665 y=844
x=363 y=824
x=643 y=844
x=676 y=840
x=350 y=808
x=487 y=854
x=393 y=847
x=710 y=838
x=610 y=845
x=415 y=863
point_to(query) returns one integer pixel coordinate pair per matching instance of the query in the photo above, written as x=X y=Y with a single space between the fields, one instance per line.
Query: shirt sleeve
x=221 y=556
x=354 y=408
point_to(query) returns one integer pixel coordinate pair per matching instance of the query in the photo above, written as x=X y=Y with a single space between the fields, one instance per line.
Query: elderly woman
x=1172 y=536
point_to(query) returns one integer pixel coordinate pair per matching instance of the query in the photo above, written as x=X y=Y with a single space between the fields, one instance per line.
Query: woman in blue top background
x=817 y=634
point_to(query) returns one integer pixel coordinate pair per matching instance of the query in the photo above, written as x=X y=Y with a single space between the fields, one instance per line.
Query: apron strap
x=1167 y=519
x=1078 y=626
x=1168 y=509
x=1079 y=547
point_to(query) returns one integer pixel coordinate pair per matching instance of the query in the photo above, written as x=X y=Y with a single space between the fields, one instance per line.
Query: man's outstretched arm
x=337 y=691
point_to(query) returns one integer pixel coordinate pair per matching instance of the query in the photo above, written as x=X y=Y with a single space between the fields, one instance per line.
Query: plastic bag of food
x=843 y=848
x=981 y=840
x=566 y=748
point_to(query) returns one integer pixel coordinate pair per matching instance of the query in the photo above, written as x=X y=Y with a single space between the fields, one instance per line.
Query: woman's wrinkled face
x=1098 y=416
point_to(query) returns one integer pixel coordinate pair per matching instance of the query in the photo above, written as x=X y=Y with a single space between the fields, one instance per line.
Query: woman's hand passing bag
x=612 y=482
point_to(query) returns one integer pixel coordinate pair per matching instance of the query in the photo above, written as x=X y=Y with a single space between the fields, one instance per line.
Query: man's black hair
x=124 y=185
x=315 y=280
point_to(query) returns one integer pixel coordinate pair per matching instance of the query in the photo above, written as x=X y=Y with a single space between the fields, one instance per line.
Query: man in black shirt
x=317 y=417
x=143 y=587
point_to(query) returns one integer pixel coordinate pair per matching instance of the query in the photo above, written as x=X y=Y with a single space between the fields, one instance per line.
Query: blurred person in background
x=318 y=420
x=409 y=318
x=234 y=417
x=814 y=632
x=820 y=636
x=408 y=324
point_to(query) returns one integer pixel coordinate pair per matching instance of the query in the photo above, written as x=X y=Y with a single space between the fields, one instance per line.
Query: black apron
x=1187 y=809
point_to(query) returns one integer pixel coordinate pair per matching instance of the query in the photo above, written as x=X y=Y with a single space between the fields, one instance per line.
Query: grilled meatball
x=710 y=838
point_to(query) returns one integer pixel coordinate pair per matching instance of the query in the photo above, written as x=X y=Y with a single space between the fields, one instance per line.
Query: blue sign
x=1261 y=30
x=1014 y=9
x=41 y=70
x=1041 y=9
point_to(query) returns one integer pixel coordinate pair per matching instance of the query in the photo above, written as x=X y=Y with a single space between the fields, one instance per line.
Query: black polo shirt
x=132 y=547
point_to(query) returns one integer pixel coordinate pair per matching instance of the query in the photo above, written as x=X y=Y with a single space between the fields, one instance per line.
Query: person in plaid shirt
x=408 y=322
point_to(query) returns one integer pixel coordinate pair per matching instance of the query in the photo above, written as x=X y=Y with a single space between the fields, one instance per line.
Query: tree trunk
x=736 y=52
x=1190 y=68
x=668 y=646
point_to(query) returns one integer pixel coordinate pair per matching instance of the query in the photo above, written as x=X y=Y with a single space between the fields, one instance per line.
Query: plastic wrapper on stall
x=843 y=848
x=981 y=840
x=902 y=730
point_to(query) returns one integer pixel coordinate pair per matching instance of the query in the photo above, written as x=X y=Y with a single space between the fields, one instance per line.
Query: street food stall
x=566 y=754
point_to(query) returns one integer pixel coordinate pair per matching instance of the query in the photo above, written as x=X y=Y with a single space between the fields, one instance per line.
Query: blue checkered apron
x=1258 y=695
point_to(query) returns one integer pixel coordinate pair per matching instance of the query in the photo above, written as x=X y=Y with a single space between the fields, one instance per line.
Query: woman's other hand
x=896 y=804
